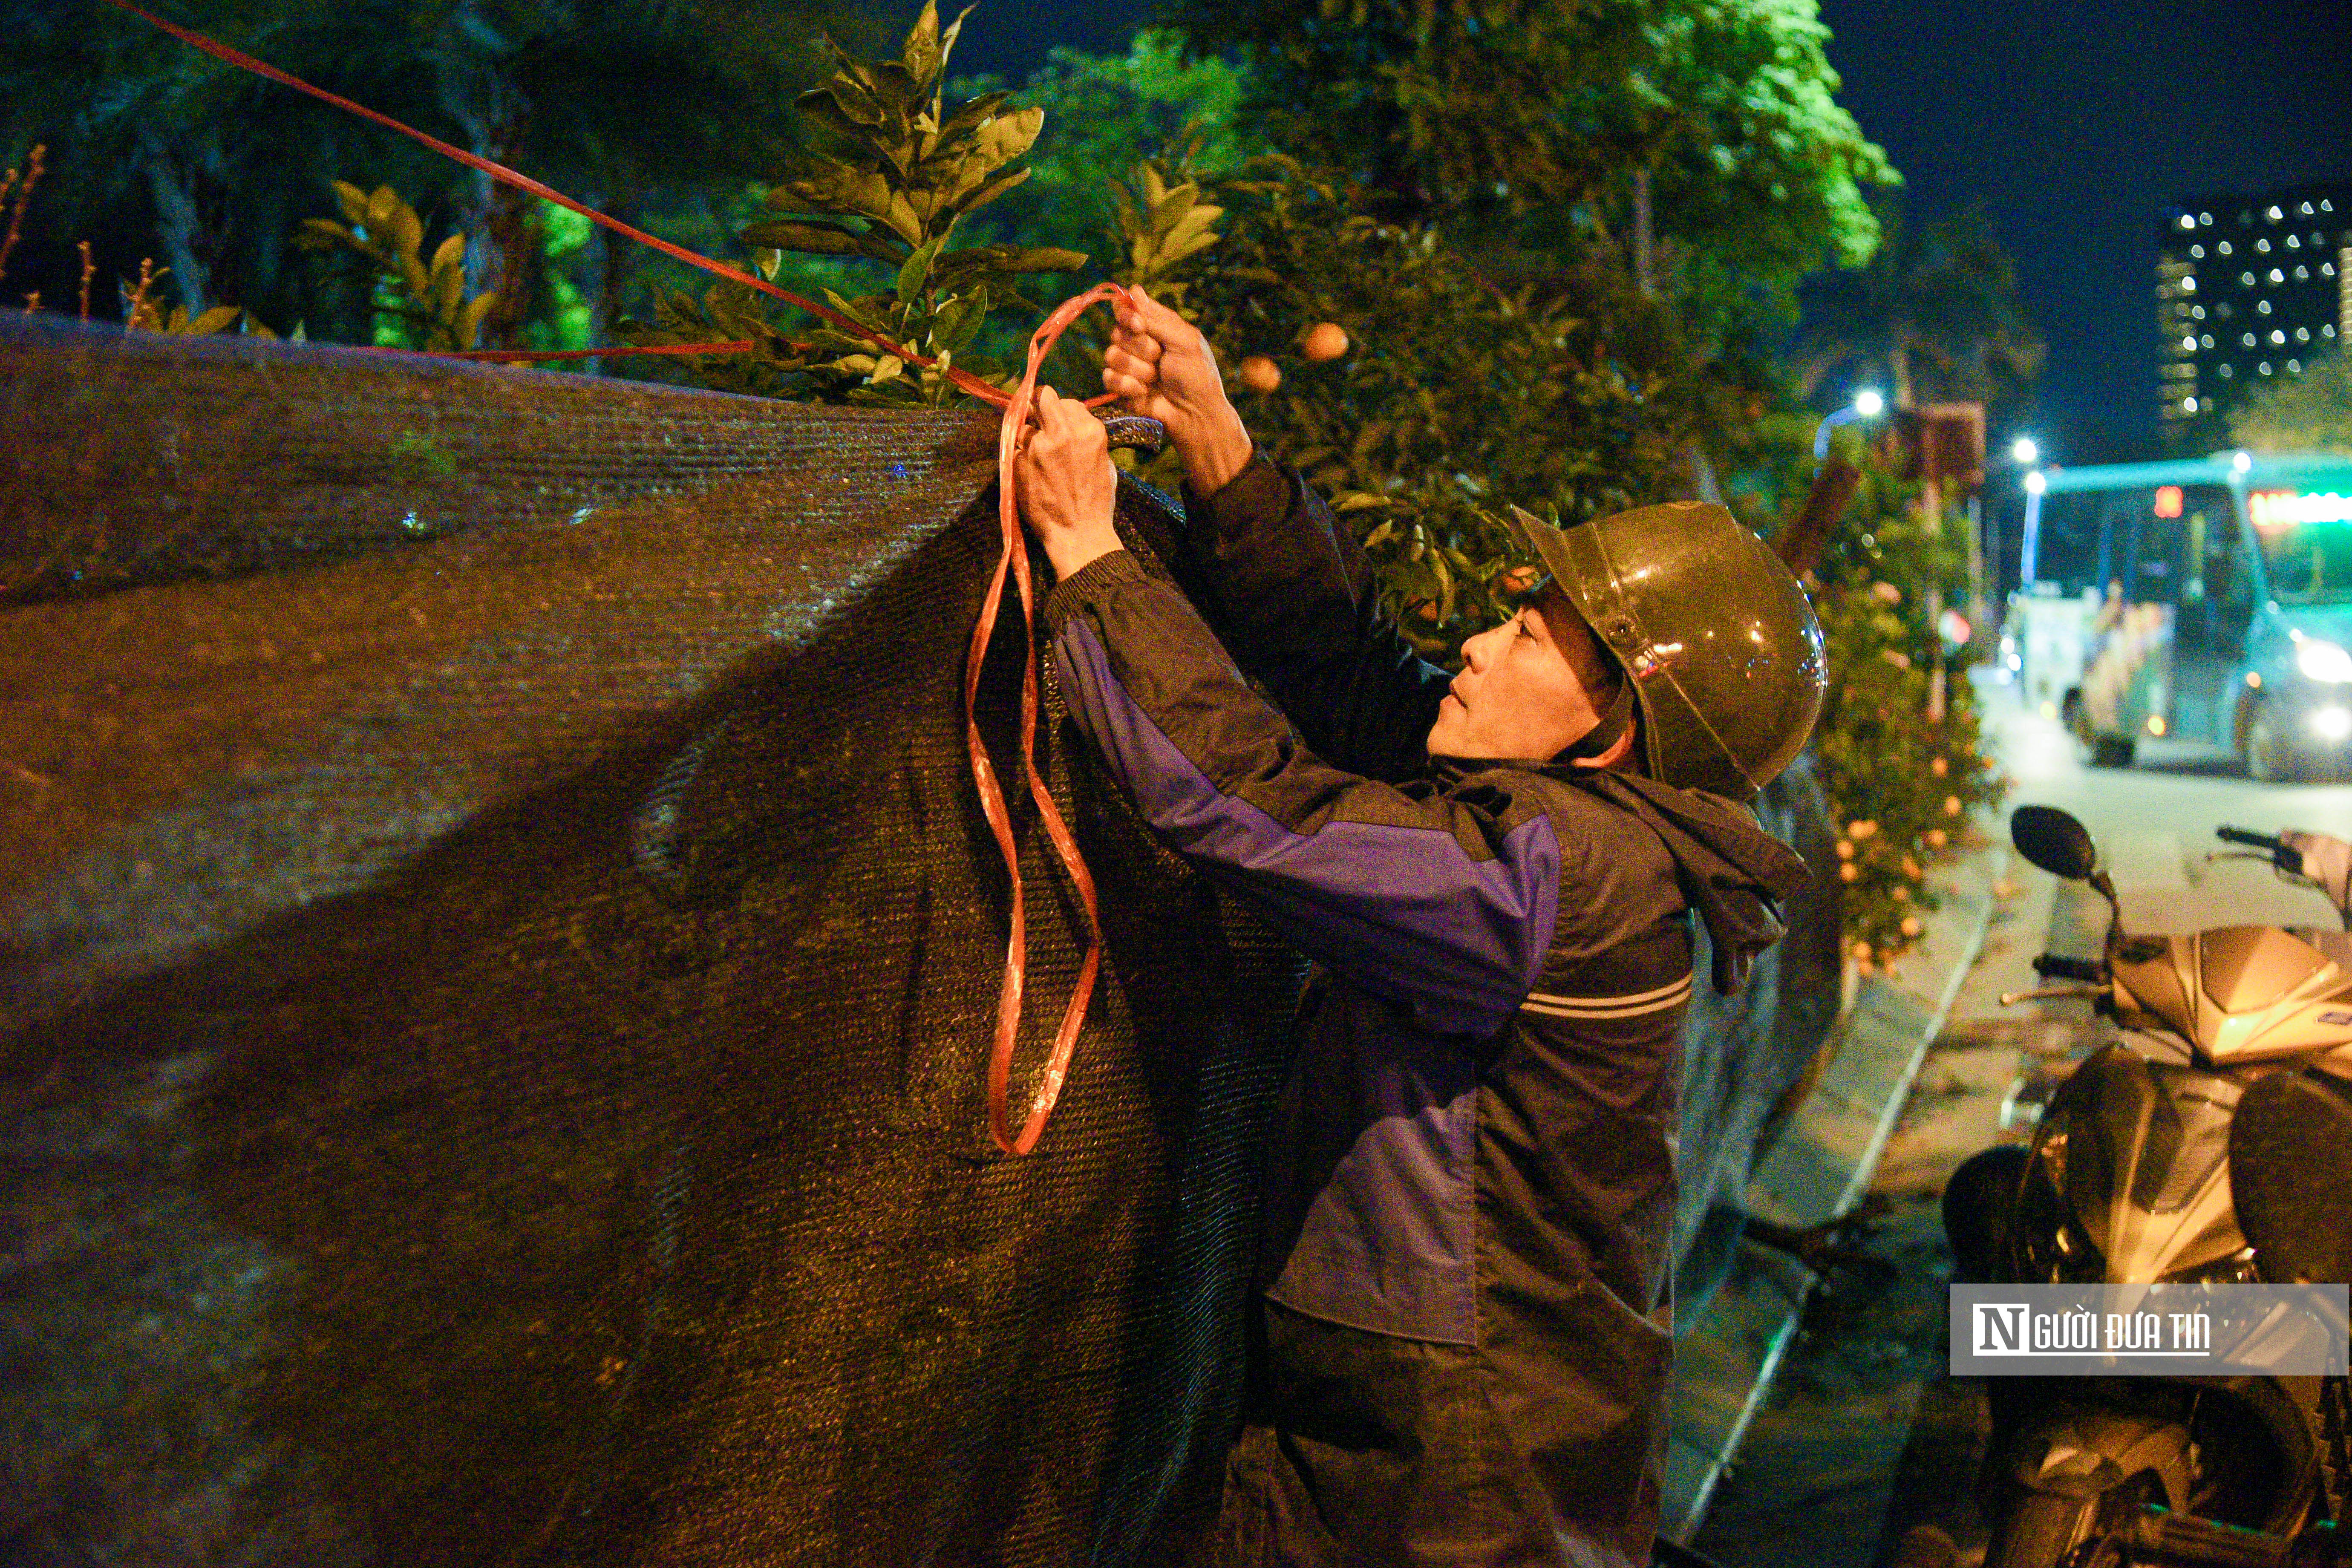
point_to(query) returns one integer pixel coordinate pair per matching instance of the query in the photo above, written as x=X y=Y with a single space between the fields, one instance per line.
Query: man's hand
x=1066 y=484
x=1159 y=363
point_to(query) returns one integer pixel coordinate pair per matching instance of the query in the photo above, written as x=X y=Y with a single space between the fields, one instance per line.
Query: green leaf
x=1042 y=259
x=397 y=222
x=969 y=114
x=917 y=271
x=319 y=233
x=948 y=39
x=895 y=86
x=1008 y=136
x=1170 y=210
x=469 y=320
x=841 y=107
x=810 y=237
x=961 y=321
x=993 y=190
x=921 y=53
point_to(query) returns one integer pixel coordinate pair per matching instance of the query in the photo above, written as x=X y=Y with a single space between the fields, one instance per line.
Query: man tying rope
x=1464 y=1334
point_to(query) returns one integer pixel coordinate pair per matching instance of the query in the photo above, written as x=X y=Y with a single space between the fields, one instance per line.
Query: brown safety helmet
x=1716 y=637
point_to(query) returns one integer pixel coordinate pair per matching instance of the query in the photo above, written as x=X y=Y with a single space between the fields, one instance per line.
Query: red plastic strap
x=1013 y=559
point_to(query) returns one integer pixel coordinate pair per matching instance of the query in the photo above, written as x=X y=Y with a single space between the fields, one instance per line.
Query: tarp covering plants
x=498 y=952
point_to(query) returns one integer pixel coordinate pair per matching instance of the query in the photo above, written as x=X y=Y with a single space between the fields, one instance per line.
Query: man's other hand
x=1066 y=484
x=1159 y=363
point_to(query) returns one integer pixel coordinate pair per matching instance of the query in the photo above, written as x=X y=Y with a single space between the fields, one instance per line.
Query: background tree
x=1935 y=315
x=1698 y=140
x=1109 y=113
x=2308 y=413
x=641 y=105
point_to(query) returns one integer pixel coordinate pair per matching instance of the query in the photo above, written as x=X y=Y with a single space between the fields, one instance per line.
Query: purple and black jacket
x=1475 y=1160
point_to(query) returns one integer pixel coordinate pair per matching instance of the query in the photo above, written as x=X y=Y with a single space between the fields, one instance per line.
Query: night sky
x=2075 y=125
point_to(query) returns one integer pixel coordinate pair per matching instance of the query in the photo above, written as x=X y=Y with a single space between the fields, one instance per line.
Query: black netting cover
x=497 y=955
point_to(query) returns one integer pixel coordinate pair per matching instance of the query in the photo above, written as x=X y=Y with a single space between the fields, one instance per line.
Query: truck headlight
x=2324 y=661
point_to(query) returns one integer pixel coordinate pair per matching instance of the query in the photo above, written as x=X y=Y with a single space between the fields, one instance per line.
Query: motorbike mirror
x=2055 y=841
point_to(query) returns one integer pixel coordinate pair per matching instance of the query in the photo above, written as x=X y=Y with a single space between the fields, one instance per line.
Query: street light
x=1867 y=405
x=2025 y=451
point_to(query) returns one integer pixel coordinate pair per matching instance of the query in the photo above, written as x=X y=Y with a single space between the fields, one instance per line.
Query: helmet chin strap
x=1613 y=725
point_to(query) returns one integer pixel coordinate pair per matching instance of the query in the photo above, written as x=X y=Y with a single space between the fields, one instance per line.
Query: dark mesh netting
x=498 y=949
x=501 y=954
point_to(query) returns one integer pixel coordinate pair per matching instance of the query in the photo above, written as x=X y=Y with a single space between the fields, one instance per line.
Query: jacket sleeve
x=1290 y=591
x=1416 y=896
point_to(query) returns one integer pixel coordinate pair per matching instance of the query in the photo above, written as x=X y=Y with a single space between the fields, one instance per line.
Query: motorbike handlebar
x=2053 y=966
x=2285 y=857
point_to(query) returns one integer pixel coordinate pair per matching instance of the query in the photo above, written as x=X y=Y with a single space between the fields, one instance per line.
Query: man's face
x=1528 y=687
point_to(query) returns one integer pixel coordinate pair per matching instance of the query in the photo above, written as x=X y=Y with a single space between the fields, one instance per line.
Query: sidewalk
x=1819 y=1169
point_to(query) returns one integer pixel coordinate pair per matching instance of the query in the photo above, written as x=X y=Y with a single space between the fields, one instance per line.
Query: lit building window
x=2223 y=248
x=2246 y=278
x=2327 y=269
x=2228 y=371
x=2302 y=274
x=2276 y=276
x=2277 y=336
x=2327 y=332
x=2303 y=335
x=2326 y=206
x=2206 y=218
x=2197 y=312
x=2262 y=245
x=2189 y=405
x=2295 y=366
x=2198 y=251
x=2264 y=367
x=2206 y=340
x=2188 y=285
x=2294 y=241
x=2188 y=343
x=2248 y=341
x=2273 y=214
x=2188 y=222
x=2262 y=307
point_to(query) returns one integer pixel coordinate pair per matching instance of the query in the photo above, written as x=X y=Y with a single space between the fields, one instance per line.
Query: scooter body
x=2232 y=1066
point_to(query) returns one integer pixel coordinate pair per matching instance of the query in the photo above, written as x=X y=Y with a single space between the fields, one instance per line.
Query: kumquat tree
x=1434 y=308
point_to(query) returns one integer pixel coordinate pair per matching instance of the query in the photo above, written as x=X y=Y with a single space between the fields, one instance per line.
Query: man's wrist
x=1072 y=552
x=1213 y=459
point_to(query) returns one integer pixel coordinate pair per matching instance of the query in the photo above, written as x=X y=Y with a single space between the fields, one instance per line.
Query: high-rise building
x=2249 y=287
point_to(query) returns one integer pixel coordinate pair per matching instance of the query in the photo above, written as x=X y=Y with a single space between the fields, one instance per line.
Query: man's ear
x=1618 y=750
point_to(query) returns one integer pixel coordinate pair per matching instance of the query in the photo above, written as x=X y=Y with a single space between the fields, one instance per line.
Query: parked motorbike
x=2212 y=1142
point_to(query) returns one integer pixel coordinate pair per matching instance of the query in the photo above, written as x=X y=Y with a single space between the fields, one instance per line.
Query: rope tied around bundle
x=1018 y=408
